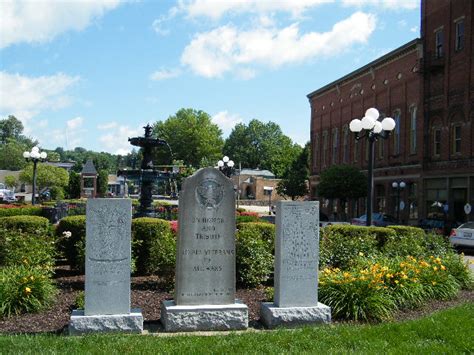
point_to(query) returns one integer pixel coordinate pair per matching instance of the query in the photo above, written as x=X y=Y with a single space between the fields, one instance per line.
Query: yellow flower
x=25 y=261
x=32 y=278
x=346 y=274
x=433 y=282
x=396 y=281
x=404 y=277
x=443 y=267
x=361 y=253
x=435 y=268
x=27 y=290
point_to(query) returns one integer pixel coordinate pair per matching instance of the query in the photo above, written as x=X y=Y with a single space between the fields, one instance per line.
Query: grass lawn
x=448 y=331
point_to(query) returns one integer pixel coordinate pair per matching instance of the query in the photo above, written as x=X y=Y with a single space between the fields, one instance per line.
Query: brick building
x=426 y=85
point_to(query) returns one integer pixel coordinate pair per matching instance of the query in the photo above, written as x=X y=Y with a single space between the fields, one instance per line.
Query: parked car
x=463 y=235
x=378 y=219
x=6 y=195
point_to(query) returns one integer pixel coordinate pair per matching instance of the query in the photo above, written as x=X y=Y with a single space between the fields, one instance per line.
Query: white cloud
x=226 y=121
x=215 y=9
x=402 y=23
x=116 y=141
x=25 y=96
x=109 y=125
x=41 y=21
x=386 y=4
x=224 y=49
x=74 y=123
x=164 y=74
x=414 y=29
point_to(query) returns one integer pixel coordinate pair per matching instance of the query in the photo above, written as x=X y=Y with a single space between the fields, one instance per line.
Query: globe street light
x=398 y=185
x=226 y=166
x=374 y=130
x=35 y=156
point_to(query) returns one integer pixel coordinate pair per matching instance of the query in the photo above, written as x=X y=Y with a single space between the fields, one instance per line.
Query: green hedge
x=20 y=211
x=406 y=241
x=254 y=253
x=72 y=247
x=26 y=223
x=154 y=247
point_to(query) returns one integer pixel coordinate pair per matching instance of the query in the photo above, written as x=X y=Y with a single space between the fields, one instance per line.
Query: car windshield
x=468 y=225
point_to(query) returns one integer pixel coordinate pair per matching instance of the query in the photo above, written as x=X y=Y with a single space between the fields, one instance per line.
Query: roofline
x=376 y=62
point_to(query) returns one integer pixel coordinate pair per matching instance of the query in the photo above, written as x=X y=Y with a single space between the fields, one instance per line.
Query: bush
x=246 y=219
x=340 y=245
x=459 y=269
x=356 y=294
x=27 y=224
x=72 y=247
x=406 y=241
x=20 y=211
x=254 y=253
x=24 y=289
x=154 y=247
x=33 y=249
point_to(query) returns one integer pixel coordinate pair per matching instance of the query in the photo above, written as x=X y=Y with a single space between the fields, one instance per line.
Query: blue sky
x=92 y=73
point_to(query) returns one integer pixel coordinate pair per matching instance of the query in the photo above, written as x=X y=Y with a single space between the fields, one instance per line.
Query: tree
x=10 y=128
x=73 y=189
x=192 y=137
x=343 y=182
x=294 y=184
x=46 y=176
x=261 y=145
x=102 y=182
x=11 y=155
x=10 y=181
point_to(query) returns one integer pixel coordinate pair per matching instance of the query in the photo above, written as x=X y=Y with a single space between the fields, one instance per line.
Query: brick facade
x=431 y=100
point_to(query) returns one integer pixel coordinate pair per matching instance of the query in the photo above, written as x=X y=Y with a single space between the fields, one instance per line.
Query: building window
x=334 y=145
x=413 y=130
x=325 y=147
x=396 y=132
x=439 y=43
x=457 y=139
x=459 y=44
x=315 y=151
x=412 y=201
x=437 y=141
x=345 y=154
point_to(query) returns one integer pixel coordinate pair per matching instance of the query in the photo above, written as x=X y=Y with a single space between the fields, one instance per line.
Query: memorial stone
x=205 y=263
x=296 y=267
x=108 y=257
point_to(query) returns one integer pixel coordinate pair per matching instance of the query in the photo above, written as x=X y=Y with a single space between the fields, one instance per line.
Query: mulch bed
x=147 y=294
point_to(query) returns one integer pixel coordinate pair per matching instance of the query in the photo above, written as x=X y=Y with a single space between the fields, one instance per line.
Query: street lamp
x=374 y=130
x=398 y=185
x=35 y=156
x=226 y=166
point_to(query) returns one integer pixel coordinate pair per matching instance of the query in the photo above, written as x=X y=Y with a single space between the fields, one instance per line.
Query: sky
x=93 y=73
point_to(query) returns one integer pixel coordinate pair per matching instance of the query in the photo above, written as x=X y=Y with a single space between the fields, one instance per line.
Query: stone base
x=272 y=316
x=127 y=323
x=203 y=317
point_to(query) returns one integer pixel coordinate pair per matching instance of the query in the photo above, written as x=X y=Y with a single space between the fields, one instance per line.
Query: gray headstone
x=205 y=265
x=108 y=253
x=296 y=254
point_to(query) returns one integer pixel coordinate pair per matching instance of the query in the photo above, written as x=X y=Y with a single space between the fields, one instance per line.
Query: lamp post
x=398 y=185
x=35 y=156
x=226 y=166
x=373 y=131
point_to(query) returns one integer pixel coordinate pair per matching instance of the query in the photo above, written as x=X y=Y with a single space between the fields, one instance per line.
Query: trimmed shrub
x=254 y=253
x=34 y=249
x=24 y=289
x=154 y=247
x=72 y=246
x=340 y=245
x=26 y=224
x=406 y=241
x=246 y=219
x=20 y=211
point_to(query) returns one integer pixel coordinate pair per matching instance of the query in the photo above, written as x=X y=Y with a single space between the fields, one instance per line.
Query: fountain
x=147 y=175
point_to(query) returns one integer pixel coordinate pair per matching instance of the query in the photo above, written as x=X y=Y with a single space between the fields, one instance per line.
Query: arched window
x=325 y=147
x=345 y=143
x=396 y=132
x=335 y=143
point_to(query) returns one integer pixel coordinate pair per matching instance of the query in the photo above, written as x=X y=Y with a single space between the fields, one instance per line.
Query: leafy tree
x=10 y=128
x=261 y=145
x=46 y=176
x=294 y=184
x=11 y=155
x=343 y=182
x=102 y=182
x=192 y=137
x=53 y=156
x=10 y=181
x=73 y=189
